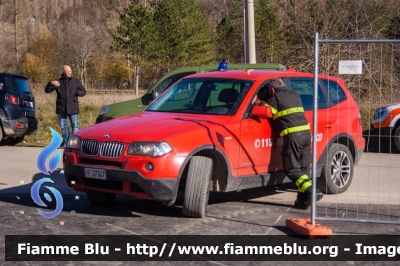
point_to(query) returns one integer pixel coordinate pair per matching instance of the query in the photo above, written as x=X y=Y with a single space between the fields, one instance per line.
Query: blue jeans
x=62 y=118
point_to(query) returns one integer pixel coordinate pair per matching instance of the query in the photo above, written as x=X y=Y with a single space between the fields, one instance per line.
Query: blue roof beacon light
x=223 y=66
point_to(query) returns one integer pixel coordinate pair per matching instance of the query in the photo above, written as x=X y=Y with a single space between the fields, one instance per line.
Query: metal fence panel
x=374 y=194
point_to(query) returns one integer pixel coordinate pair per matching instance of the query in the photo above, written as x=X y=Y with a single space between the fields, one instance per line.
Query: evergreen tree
x=184 y=34
x=229 y=39
x=135 y=34
x=135 y=37
x=268 y=33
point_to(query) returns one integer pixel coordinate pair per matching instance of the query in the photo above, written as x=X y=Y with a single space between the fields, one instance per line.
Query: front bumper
x=122 y=182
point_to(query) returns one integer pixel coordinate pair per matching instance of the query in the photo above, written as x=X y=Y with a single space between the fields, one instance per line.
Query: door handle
x=330 y=124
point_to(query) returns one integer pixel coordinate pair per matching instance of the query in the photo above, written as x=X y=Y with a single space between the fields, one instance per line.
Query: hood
x=149 y=126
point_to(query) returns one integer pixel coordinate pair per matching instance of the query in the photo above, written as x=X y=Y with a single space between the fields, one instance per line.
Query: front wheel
x=197 y=188
x=396 y=137
x=337 y=170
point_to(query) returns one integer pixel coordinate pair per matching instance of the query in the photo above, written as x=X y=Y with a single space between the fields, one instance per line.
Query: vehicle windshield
x=220 y=96
x=17 y=84
x=165 y=84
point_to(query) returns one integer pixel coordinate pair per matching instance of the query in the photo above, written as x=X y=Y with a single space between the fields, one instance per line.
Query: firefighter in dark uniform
x=291 y=124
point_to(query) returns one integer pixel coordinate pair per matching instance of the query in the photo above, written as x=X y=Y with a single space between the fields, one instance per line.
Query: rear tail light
x=12 y=99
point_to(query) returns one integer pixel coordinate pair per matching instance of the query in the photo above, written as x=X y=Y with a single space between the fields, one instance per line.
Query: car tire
x=337 y=170
x=197 y=189
x=99 y=198
x=396 y=137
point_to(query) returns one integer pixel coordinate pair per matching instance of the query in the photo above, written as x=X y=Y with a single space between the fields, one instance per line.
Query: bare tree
x=82 y=33
x=15 y=15
x=21 y=34
x=5 y=34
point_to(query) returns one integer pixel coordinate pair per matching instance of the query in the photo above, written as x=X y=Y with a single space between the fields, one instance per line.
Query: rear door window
x=335 y=92
x=17 y=85
x=304 y=87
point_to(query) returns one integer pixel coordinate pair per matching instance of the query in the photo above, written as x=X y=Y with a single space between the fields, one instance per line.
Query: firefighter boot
x=304 y=200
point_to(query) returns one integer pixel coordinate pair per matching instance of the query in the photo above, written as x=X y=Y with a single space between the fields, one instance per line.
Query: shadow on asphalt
x=378 y=143
x=19 y=198
x=124 y=206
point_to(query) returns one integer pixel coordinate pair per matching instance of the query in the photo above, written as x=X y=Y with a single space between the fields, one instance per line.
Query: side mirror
x=262 y=112
x=147 y=98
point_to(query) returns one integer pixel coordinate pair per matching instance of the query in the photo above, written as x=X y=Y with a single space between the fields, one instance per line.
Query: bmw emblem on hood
x=107 y=136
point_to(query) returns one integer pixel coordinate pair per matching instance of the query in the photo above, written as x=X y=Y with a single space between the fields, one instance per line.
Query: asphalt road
x=373 y=195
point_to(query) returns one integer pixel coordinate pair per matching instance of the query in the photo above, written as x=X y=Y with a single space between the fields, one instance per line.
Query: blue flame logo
x=41 y=165
x=45 y=153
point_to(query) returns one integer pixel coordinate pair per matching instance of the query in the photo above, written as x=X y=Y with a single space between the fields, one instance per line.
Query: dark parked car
x=17 y=109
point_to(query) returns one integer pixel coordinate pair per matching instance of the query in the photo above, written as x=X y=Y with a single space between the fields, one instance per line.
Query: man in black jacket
x=291 y=124
x=67 y=105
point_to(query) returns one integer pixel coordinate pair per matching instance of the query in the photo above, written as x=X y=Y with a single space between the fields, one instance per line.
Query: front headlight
x=74 y=142
x=152 y=149
x=104 y=109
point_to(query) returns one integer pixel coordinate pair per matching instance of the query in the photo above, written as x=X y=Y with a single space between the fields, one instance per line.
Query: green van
x=115 y=110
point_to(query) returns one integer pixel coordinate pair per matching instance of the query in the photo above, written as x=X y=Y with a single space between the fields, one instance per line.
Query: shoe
x=304 y=200
x=62 y=146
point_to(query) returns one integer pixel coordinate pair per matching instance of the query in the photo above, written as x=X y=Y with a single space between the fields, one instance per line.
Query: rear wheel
x=337 y=170
x=197 y=188
x=99 y=198
x=396 y=137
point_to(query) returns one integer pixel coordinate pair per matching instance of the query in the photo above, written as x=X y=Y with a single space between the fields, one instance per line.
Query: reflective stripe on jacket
x=288 y=112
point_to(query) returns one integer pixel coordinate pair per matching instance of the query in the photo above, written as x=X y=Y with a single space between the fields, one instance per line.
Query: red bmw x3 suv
x=205 y=134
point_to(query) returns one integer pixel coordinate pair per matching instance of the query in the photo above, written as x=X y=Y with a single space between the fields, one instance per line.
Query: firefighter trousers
x=296 y=158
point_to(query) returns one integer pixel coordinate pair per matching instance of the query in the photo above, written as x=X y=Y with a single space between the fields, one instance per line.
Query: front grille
x=90 y=147
x=112 y=149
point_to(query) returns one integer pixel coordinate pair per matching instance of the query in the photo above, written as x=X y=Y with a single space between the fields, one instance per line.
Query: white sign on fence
x=350 y=67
